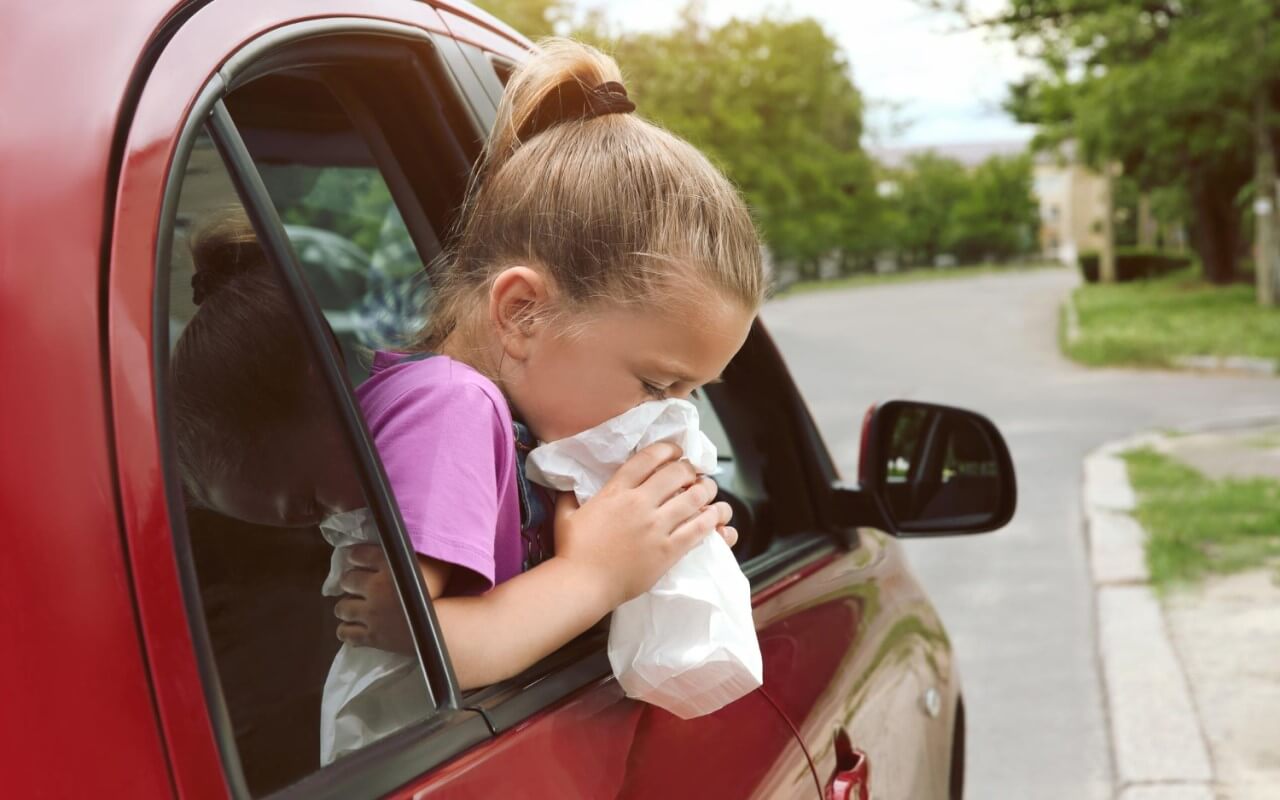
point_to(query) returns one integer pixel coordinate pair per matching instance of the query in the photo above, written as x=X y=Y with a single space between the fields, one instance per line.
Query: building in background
x=1073 y=202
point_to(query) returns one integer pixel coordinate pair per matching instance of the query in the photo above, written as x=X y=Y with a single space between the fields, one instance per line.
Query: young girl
x=600 y=262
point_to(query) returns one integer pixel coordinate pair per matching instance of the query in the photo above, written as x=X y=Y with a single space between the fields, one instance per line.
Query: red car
x=160 y=649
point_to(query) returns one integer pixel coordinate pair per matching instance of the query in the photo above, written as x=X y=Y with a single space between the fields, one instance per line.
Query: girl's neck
x=484 y=357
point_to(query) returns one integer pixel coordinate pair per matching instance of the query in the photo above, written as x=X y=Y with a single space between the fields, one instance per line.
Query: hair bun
x=564 y=80
x=221 y=250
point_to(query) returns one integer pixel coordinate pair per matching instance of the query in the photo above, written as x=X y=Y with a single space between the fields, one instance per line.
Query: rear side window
x=304 y=222
x=363 y=189
x=349 y=235
x=266 y=468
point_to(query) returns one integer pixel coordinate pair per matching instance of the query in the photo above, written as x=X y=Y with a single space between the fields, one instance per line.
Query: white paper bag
x=369 y=693
x=688 y=645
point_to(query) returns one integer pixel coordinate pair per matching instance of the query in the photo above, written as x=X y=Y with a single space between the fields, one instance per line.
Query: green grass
x=1264 y=441
x=1151 y=323
x=911 y=275
x=1197 y=526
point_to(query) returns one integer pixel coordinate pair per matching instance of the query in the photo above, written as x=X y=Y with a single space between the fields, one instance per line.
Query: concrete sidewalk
x=1193 y=688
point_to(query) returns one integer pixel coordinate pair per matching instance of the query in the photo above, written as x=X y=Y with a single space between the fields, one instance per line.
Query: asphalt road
x=1017 y=603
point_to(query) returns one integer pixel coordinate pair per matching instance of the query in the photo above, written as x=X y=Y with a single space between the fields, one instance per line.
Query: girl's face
x=566 y=376
x=303 y=476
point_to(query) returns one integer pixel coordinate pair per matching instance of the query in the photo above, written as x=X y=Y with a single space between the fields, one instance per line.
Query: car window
x=709 y=422
x=269 y=485
x=327 y=155
x=764 y=477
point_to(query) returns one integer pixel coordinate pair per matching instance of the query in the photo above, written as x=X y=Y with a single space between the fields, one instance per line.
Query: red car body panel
x=108 y=693
x=79 y=717
x=198 y=48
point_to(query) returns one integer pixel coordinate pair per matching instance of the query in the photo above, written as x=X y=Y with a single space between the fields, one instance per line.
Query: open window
x=311 y=189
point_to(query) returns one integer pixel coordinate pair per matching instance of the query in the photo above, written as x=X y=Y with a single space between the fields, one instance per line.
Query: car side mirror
x=928 y=469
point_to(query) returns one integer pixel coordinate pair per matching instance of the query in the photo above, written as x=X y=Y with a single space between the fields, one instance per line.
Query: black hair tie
x=570 y=100
x=209 y=279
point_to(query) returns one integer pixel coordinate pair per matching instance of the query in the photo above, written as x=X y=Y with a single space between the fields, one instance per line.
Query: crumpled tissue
x=687 y=645
x=369 y=693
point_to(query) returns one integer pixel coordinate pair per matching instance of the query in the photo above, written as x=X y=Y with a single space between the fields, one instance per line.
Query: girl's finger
x=688 y=503
x=729 y=534
x=353 y=634
x=726 y=513
x=350 y=610
x=641 y=465
x=355 y=582
x=689 y=533
x=667 y=480
x=367 y=556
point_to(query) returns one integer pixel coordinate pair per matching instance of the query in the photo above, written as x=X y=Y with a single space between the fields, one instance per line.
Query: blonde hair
x=612 y=208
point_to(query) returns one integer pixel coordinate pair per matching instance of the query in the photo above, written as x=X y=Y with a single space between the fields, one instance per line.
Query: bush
x=1133 y=264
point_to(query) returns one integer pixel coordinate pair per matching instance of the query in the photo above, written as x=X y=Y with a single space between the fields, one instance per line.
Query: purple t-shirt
x=445 y=436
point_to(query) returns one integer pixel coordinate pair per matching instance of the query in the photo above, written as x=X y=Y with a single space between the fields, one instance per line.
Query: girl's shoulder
x=436 y=385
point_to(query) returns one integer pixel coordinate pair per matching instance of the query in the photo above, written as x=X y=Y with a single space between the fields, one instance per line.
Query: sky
x=945 y=83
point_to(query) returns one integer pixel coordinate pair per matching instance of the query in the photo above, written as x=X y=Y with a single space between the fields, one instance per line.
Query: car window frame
x=450 y=728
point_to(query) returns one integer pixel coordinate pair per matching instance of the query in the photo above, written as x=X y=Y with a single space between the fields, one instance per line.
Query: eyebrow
x=680 y=377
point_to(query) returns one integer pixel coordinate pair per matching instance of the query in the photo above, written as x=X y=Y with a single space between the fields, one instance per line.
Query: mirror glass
x=938 y=468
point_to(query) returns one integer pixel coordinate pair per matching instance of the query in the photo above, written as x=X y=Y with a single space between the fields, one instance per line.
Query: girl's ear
x=518 y=300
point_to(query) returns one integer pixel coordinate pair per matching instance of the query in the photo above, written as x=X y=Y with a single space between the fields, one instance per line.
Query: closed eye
x=656 y=392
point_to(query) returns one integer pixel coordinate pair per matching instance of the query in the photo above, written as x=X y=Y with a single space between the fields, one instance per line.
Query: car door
x=869 y=681
x=563 y=728
x=239 y=633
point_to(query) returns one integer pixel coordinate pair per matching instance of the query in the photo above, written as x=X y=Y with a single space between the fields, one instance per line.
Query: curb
x=1073 y=319
x=1247 y=364
x=1158 y=748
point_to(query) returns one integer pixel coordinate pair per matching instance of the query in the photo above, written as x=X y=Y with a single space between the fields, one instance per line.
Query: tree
x=929 y=187
x=771 y=100
x=1165 y=88
x=939 y=206
x=533 y=18
x=997 y=216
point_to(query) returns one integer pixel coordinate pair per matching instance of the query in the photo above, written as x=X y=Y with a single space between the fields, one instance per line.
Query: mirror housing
x=929 y=470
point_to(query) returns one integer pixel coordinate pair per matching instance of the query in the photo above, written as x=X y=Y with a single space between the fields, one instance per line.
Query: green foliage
x=1166 y=89
x=349 y=201
x=1199 y=526
x=1133 y=264
x=1151 y=323
x=771 y=101
x=984 y=214
x=930 y=187
x=996 y=217
x=533 y=18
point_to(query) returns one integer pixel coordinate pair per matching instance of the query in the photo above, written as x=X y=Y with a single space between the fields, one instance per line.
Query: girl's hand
x=651 y=512
x=370 y=614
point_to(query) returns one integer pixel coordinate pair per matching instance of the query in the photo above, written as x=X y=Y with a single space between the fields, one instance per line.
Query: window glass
x=709 y=423
x=503 y=68
x=351 y=239
x=272 y=499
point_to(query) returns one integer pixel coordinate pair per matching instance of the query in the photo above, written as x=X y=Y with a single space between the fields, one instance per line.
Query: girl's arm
x=616 y=546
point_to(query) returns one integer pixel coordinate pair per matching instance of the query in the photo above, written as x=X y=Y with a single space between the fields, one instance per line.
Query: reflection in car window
x=350 y=238
x=269 y=487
